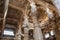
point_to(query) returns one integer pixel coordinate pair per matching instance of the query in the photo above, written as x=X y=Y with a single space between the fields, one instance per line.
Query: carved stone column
x=25 y=25
x=37 y=30
x=26 y=34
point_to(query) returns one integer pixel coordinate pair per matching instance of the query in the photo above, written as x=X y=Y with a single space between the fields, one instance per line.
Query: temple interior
x=29 y=19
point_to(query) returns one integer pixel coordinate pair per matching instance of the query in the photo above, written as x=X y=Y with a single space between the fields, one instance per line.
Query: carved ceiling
x=17 y=9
